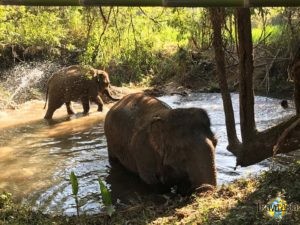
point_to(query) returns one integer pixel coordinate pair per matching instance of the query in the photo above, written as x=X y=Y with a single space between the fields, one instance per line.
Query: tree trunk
x=217 y=19
x=256 y=146
x=247 y=120
x=259 y=146
x=294 y=70
x=263 y=145
x=297 y=98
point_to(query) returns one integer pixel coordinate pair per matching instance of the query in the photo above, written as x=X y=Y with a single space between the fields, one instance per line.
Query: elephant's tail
x=46 y=98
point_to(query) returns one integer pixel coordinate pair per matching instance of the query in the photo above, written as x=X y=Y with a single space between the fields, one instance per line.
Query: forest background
x=150 y=46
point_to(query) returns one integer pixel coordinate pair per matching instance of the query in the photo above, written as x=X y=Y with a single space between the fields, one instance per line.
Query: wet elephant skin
x=163 y=146
x=75 y=83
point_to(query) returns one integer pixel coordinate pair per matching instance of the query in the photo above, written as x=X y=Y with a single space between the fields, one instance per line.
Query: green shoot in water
x=106 y=198
x=74 y=183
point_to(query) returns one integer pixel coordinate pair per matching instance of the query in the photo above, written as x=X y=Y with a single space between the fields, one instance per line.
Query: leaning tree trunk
x=297 y=95
x=246 y=74
x=296 y=79
x=217 y=20
x=284 y=137
x=294 y=71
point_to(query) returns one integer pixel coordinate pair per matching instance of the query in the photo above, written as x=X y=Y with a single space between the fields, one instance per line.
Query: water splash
x=26 y=80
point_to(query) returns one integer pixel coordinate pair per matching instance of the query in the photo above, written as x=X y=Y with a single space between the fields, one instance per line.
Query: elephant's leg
x=99 y=102
x=85 y=105
x=52 y=106
x=69 y=108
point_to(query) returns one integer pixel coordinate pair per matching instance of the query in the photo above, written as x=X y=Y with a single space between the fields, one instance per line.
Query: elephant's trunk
x=202 y=170
x=108 y=94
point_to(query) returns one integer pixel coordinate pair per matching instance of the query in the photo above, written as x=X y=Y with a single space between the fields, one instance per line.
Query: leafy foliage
x=105 y=194
x=128 y=41
x=106 y=198
x=135 y=45
x=74 y=183
x=75 y=188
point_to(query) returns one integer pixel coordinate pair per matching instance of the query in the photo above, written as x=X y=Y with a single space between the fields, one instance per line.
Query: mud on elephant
x=164 y=146
x=75 y=83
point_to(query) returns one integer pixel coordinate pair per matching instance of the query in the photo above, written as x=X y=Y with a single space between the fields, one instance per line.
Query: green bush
x=133 y=44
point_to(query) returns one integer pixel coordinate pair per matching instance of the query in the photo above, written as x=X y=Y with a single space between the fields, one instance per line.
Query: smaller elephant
x=164 y=146
x=75 y=83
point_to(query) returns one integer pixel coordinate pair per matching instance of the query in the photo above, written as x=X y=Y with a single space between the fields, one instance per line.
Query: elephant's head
x=186 y=145
x=102 y=79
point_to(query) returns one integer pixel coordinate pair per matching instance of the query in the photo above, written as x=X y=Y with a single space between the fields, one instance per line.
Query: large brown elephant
x=164 y=146
x=76 y=83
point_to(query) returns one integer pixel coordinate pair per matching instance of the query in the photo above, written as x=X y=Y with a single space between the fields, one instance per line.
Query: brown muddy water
x=37 y=157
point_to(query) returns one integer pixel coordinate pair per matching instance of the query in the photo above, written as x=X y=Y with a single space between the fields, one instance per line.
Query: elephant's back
x=68 y=83
x=60 y=76
x=136 y=109
x=131 y=114
x=123 y=115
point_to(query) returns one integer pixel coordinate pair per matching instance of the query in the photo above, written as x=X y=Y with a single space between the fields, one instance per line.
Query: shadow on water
x=37 y=157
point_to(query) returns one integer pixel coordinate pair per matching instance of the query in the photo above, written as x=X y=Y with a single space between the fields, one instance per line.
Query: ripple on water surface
x=85 y=153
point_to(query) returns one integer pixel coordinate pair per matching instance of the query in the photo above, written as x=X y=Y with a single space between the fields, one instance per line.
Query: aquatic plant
x=105 y=195
x=75 y=188
x=106 y=198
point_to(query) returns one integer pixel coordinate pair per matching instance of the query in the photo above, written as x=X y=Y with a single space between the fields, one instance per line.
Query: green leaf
x=105 y=194
x=110 y=210
x=74 y=183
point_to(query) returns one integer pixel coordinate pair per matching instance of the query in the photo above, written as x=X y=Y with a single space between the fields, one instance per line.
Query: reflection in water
x=36 y=157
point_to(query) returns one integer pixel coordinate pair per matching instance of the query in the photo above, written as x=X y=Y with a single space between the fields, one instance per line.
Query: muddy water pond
x=37 y=157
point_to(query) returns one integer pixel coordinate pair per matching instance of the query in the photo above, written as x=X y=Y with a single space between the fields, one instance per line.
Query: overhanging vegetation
x=165 y=3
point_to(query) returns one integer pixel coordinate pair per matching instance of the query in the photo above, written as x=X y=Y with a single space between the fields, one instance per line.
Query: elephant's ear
x=156 y=135
x=102 y=77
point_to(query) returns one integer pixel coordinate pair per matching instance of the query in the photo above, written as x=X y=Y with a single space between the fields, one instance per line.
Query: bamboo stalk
x=166 y=3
